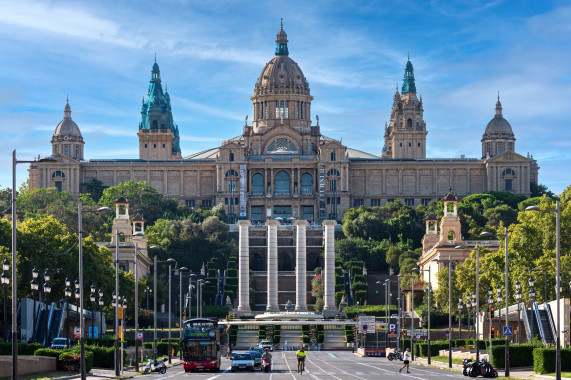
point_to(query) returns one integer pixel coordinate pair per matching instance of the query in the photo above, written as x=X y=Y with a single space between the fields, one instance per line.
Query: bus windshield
x=200 y=329
x=199 y=350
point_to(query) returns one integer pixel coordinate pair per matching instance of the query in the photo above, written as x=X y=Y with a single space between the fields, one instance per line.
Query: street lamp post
x=101 y=301
x=428 y=291
x=387 y=298
x=77 y=297
x=180 y=273
x=518 y=299
x=491 y=306
x=476 y=300
x=34 y=285
x=449 y=308
x=475 y=303
x=170 y=262
x=155 y=265
x=67 y=296
x=468 y=308
x=531 y=281
x=5 y=283
x=15 y=374
x=460 y=307
x=557 y=283
x=92 y=299
x=499 y=300
x=47 y=287
x=544 y=281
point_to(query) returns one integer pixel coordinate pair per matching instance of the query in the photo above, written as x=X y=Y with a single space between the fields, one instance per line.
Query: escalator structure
x=545 y=322
x=54 y=325
x=348 y=292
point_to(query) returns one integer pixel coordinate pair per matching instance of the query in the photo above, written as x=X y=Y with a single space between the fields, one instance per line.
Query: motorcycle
x=266 y=365
x=156 y=366
x=478 y=368
x=395 y=355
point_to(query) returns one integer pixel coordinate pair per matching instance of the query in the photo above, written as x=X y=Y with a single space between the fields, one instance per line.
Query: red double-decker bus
x=200 y=345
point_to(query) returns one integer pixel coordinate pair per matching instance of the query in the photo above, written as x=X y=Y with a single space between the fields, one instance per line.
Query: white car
x=266 y=344
x=242 y=361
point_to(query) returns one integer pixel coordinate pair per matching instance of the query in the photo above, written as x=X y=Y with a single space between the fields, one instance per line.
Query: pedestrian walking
x=406 y=361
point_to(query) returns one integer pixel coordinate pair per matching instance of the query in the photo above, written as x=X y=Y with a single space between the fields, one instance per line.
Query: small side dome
x=67 y=127
x=498 y=125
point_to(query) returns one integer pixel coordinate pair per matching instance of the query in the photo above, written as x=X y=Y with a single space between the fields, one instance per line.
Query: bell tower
x=158 y=134
x=405 y=136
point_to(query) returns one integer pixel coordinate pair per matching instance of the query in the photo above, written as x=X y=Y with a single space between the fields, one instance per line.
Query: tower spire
x=498 y=106
x=408 y=84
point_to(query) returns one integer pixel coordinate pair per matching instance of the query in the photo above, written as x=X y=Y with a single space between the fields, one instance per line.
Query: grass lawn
x=444 y=359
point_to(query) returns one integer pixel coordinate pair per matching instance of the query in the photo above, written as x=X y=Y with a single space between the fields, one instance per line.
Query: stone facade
x=282 y=166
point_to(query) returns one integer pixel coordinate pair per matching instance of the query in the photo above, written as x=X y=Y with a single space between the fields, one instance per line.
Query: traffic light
x=492 y=310
x=493 y=332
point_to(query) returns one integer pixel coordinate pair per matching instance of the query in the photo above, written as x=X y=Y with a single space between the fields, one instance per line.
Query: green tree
x=393 y=255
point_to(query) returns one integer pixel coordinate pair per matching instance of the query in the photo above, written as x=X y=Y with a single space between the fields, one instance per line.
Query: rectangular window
x=390 y=200
x=189 y=203
x=375 y=202
x=236 y=201
x=425 y=201
x=500 y=148
x=301 y=110
x=401 y=144
x=338 y=200
x=261 y=110
x=409 y=202
x=206 y=203
x=231 y=186
x=256 y=213
x=509 y=186
x=59 y=185
x=332 y=185
x=266 y=110
x=66 y=150
x=164 y=146
x=124 y=266
x=154 y=145
x=308 y=213
x=419 y=147
x=283 y=212
x=145 y=145
x=277 y=109
x=328 y=200
x=287 y=109
x=297 y=110
x=358 y=202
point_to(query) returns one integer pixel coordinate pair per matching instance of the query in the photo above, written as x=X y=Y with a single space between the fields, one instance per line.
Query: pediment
x=65 y=159
x=282 y=129
x=508 y=157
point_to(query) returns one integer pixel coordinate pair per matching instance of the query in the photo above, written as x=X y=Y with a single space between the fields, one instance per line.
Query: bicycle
x=300 y=365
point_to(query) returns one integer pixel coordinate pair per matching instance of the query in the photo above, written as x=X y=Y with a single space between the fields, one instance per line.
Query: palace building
x=281 y=166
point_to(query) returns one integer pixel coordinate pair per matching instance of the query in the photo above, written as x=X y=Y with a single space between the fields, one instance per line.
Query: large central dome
x=281 y=94
x=281 y=75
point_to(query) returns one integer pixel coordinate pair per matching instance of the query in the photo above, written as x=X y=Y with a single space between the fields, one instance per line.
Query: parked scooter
x=395 y=355
x=156 y=366
x=478 y=368
x=266 y=365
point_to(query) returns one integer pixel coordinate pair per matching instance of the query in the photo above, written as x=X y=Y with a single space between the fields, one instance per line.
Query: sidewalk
x=515 y=373
x=109 y=373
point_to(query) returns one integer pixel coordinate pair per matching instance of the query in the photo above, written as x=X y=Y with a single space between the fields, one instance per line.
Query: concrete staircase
x=286 y=290
x=291 y=335
x=334 y=338
x=247 y=337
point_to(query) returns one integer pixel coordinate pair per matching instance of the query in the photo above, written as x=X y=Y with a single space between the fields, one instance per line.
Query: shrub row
x=67 y=360
x=544 y=360
x=521 y=355
x=23 y=348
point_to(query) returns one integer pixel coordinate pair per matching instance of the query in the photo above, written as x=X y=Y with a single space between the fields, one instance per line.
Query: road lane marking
x=321 y=369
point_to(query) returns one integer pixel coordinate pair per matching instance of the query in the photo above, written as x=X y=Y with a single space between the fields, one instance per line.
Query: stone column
x=329 y=309
x=300 y=267
x=243 y=267
x=272 y=273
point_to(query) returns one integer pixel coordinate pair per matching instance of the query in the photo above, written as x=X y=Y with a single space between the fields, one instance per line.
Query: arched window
x=232 y=173
x=231 y=157
x=409 y=124
x=508 y=172
x=333 y=172
x=257 y=184
x=58 y=174
x=282 y=183
x=450 y=236
x=281 y=146
x=332 y=156
x=306 y=184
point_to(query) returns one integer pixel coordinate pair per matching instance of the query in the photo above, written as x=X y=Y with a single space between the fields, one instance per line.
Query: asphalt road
x=334 y=365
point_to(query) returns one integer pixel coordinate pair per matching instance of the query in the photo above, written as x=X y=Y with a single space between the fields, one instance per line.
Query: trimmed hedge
x=435 y=347
x=67 y=360
x=544 y=360
x=23 y=348
x=108 y=341
x=520 y=355
x=376 y=310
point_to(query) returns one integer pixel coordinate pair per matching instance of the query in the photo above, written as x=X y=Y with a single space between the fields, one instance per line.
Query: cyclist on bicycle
x=300 y=354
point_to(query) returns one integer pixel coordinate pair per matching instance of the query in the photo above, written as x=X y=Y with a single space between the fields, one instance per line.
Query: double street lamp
x=531 y=282
x=450 y=309
x=476 y=299
x=557 y=212
x=101 y=301
x=35 y=286
x=170 y=262
x=67 y=294
x=428 y=291
x=518 y=299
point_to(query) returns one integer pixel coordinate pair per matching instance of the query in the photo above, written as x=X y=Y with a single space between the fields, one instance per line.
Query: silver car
x=242 y=361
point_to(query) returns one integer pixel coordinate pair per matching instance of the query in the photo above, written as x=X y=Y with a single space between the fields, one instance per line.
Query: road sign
x=120 y=312
x=508 y=331
x=140 y=336
x=366 y=320
x=76 y=332
x=392 y=327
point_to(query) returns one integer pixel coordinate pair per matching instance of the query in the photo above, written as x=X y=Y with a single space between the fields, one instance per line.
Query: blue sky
x=353 y=53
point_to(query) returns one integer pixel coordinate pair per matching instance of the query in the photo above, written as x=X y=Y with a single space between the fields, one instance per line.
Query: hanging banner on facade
x=242 y=190
x=322 y=192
